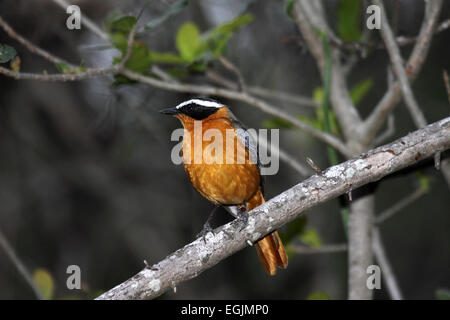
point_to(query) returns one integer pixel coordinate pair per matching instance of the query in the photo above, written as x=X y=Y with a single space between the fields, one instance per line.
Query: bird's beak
x=170 y=111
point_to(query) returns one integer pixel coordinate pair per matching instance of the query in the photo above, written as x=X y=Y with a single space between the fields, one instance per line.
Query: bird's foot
x=243 y=218
x=206 y=229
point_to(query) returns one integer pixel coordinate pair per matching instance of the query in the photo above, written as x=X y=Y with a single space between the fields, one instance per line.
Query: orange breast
x=223 y=172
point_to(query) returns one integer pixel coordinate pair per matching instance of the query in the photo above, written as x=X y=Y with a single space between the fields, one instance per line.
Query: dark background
x=86 y=176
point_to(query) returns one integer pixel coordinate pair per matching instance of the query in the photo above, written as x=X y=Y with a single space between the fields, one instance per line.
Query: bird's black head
x=197 y=109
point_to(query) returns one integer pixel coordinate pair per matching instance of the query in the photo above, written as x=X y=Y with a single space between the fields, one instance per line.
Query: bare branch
x=230 y=66
x=30 y=46
x=282 y=96
x=399 y=206
x=389 y=132
x=359 y=234
x=88 y=73
x=198 y=256
x=390 y=99
x=447 y=84
x=88 y=23
x=382 y=259
x=444 y=25
x=330 y=248
x=244 y=97
x=309 y=16
x=9 y=251
x=397 y=62
x=264 y=92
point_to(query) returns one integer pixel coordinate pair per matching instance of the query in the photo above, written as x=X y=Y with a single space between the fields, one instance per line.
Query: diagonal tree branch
x=400 y=72
x=198 y=256
x=310 y=18
x=375 y=120
x=244 y=97
x=9 y=251
x=382 y=259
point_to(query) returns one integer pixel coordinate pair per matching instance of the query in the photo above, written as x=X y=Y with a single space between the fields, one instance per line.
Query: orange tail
x=270 y=249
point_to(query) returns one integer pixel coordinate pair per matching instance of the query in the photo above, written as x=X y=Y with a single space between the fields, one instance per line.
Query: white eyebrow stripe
x=204 y=103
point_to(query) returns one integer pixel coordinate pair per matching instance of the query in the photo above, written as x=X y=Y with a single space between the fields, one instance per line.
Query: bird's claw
x=243 y=217
x=206 y=229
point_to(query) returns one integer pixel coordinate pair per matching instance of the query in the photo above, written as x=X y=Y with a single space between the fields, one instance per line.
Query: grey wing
x=250 y=142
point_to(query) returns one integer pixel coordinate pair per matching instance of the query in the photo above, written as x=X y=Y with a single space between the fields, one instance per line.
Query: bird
x=235 y=181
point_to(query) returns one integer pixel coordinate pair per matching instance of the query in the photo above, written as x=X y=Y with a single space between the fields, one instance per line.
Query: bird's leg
x=207 y=226
x=244 y=215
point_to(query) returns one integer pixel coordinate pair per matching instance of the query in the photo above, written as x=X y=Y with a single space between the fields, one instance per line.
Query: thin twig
x=30 y=46
x=447 y=83
x=314 y=166
x=206 y=90
x=389 y=132
x=129 y=51
x=310 y=17
x=387 y=273
x=88 y=73
x=330 y=248
x=230 y=66
x=399 y=206
x=263 y=92
x=444 y=25
x=397 y=62
x=418 y=56
x=244 y=97
x=9 y=251
x=88 y=23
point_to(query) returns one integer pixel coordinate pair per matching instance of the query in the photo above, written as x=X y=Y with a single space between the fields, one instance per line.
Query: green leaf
x=311 y=238
x=360 y=90
x=288 y=8
x=443 y=294
x=424 y=181
x=7 y=53
x=188 y=41
x=44 y=281
x=15 y=64
x=218 y=37
x=62 y=67
x=294 y=229
x=349 y=19
x=232 y=25
x=319 y=295
x=276 y=123
x=65 y=68
x=318 y=95
x=123 y=24
x=176 y=7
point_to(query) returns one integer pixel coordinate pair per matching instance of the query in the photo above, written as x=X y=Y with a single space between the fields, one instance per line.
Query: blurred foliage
x=195 y=49
x=288 y=8
x=443 y=294
x=311 y=238
x=293 y=229
x=319 y=295
x=349 y=20
x=45 y=283
x=7 y=53
x=424 y=181
x=359 y=90
x=357 y=93
x=15 y=64
x=63 y=67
